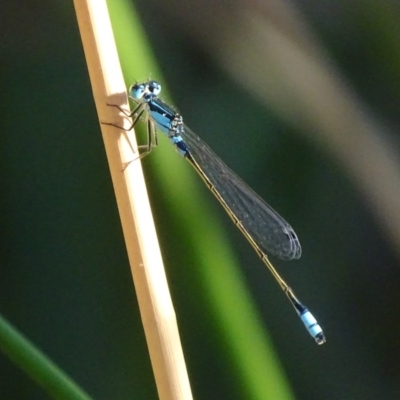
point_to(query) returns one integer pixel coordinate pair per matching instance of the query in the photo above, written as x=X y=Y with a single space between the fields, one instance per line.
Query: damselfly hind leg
x=152 y=141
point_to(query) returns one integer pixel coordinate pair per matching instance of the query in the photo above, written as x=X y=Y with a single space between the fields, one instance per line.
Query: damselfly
x=262 y=226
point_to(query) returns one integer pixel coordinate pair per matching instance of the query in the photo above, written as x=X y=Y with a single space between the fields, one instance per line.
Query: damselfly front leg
x=152 y=139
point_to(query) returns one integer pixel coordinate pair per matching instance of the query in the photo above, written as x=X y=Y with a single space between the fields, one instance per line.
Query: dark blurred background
x=301 y=99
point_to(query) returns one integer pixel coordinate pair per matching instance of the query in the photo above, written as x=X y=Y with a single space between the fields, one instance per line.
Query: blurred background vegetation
x=301 y=99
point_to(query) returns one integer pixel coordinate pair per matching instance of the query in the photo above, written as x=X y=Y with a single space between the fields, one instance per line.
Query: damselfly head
x=141 y=90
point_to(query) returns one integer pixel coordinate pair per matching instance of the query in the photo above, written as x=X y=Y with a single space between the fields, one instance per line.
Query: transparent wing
x=271 y=233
